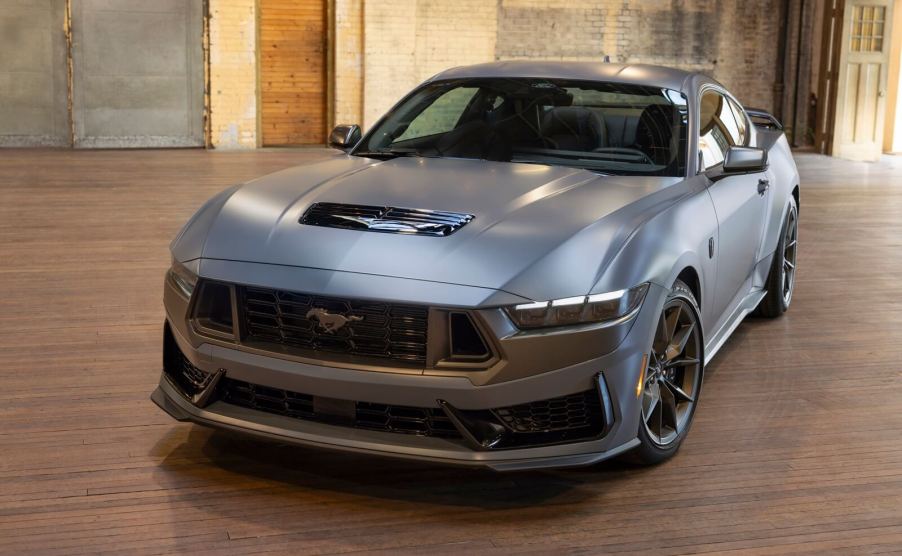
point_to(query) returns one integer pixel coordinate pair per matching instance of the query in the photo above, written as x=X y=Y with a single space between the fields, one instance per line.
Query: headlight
x=184 y=279
x=578 y=310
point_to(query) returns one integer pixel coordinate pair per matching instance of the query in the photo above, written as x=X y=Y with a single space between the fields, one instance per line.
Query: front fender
x=665 y=245
x=189 y=242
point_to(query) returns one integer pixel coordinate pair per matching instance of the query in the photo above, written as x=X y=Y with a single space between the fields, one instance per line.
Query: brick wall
x=384 y=48
x=233 y=74
x=407 y=41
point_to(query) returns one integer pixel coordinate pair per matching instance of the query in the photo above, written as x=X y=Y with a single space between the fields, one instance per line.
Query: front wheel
x=673 y=378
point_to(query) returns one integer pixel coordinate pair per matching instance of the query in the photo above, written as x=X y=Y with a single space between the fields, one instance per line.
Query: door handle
x=763 y=184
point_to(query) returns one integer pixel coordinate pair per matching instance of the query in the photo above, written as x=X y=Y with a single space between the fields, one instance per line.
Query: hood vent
x=391 y=220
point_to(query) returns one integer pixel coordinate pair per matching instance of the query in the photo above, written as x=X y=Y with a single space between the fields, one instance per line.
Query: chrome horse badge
x=329 y=323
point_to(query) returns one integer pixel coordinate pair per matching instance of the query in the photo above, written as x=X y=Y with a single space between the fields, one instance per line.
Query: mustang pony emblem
x=328 y=322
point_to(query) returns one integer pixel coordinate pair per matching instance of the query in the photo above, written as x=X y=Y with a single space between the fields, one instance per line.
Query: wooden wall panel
x=293 y=72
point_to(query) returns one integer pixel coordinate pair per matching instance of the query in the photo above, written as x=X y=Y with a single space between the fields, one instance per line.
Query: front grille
x=392 y=220
x=312 y=325
x=421 y=421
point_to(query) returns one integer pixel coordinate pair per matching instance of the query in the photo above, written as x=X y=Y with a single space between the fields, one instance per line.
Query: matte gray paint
x=539 y=233
x=529 y=220
x=744 y=159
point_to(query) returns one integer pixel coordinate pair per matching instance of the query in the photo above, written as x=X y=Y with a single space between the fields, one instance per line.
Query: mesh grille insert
x=312 y=325
x=421 y=421
x=580 y=411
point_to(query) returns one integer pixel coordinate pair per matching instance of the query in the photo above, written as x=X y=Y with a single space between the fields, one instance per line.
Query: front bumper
x=320 y=435
x=620 y=368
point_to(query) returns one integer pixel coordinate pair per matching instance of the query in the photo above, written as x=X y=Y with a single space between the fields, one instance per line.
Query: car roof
x=639 y=74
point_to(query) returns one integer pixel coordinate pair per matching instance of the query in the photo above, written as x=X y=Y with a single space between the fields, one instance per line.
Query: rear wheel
x=673 y=378
x=782 y=277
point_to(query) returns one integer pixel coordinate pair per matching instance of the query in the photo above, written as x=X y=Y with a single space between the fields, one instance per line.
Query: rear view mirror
x=344 y=137
x=744 y=160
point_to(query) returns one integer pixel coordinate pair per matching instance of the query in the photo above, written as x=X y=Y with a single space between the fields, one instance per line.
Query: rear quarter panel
x=785 y=177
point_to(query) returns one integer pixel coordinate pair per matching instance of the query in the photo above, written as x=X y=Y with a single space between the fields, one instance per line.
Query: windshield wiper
x=388 y=154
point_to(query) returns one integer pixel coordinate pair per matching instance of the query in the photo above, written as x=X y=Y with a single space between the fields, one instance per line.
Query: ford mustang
x=521 y=265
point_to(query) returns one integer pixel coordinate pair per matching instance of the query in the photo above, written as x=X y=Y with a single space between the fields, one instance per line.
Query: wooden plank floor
x=797 y=444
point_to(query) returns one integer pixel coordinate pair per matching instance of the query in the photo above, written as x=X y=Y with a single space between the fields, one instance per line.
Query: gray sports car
x=521 y=265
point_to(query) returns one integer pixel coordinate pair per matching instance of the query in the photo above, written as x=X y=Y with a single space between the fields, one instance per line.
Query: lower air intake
x=421 y=421
x=579 y=416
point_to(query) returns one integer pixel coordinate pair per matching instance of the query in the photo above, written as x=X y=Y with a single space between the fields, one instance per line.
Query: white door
x=863 y=69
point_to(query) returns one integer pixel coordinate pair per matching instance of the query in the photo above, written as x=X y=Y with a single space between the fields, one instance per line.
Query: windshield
x=607 y=127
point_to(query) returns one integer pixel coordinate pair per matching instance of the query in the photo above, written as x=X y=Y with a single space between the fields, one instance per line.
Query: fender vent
x=390 y=220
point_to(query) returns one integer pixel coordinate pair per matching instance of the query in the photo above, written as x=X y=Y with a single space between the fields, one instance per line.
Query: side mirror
x=744 y=160
x=344 y=137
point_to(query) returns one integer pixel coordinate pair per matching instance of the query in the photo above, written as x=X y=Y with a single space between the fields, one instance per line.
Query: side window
x=719 y=129
x=441 y=116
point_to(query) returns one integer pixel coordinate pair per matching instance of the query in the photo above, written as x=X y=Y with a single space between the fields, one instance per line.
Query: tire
x=673 y=378
x=781 y=277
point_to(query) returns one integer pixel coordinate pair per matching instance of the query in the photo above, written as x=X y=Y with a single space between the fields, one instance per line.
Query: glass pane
x=741 y=121
x=441 y=116
x=867 y=28
x=719 y=129
x=608 y=127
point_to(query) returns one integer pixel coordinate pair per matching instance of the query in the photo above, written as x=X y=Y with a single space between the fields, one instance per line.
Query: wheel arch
x=689 y=276
x=689 y=269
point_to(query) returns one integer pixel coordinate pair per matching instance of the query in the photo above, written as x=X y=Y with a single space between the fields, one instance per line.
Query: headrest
x=574 y=128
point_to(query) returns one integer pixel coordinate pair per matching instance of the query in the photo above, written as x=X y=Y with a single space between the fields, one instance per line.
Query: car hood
x=530 y=221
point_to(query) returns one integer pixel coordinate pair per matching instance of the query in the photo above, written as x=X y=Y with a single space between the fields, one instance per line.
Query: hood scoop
x=390 y=220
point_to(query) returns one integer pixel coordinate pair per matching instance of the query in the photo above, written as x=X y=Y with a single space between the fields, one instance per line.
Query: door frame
x=892 y=134
x=831 y=40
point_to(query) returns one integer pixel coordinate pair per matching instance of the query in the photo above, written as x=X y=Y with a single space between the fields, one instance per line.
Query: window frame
x=740 y=112
x=683 y=91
